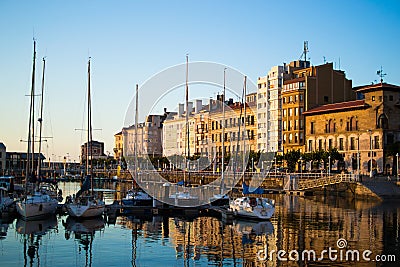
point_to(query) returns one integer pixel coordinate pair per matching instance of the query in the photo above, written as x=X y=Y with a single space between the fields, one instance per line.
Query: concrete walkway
x=384 y=187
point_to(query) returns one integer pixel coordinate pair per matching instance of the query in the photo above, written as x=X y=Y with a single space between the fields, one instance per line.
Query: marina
x=181 y=236
x=199 y=238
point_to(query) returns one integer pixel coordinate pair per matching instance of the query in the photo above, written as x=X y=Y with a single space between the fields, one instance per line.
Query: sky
x=130 y=41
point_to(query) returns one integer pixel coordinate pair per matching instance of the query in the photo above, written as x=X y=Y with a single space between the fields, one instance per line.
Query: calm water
x=313 y=223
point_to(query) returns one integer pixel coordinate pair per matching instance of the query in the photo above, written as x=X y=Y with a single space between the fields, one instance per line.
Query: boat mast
x=89 y=135
x=41 y=120
x=187 y=120
x=223 y=136
x=244 y=126
x=30 y=124
x=136 y=135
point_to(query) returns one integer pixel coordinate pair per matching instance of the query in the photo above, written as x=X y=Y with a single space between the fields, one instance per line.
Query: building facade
x=149 y=136
x=119 y=144
x=269 y=105
x=306 y=87
x=97 y=151
x=362 y=130
x=3 y=156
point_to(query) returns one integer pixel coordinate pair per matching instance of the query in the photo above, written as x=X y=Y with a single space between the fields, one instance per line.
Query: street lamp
x=329 y=166
x=358 y=158
x=370 y=148
x=301 y=167
x=397 y=166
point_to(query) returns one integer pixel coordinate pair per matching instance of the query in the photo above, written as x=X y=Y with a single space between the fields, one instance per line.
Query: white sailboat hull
x=36 y=207
x=261 y=209
x=85 y=211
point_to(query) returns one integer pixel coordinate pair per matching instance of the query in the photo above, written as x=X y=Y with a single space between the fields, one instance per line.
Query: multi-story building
x=307 y=87
x=119 y=144
x=97 y=151
x=235 y=116
x=269 y=110
x=149 y=136
x=3 y=156
x=363 y=129
x=16 y=161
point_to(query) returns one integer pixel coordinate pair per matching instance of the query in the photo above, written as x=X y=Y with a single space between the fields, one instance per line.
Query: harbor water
x=313 y=223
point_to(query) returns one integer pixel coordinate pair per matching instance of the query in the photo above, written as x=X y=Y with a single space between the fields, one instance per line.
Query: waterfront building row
x=296 y=107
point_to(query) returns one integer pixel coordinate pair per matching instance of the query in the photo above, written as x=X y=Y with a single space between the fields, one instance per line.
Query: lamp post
x=370 y=148
x=329 y=166
x=358 y=158
x=397 y=166
x=301 y=168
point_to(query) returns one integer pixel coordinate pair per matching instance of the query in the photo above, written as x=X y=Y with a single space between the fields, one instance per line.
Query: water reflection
x=298 y=224
x=32 y=233
x=84 y=233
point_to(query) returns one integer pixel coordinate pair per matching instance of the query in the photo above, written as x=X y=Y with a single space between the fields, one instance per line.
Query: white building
x=175 y=131
x=268 y=110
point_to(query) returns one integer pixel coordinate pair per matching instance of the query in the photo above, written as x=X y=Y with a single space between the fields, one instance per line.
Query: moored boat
x=253 y=207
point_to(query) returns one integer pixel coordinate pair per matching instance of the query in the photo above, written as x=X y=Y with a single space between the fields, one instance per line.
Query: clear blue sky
x=129 y=41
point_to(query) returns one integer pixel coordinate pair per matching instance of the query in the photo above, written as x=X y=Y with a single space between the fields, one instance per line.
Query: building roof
x=300 y=79
x=2 y=146
x=119 y=133
x=342 y=106
x=377 y=86
x=23 y=155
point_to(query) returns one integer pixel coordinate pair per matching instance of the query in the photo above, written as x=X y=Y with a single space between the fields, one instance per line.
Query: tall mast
x=136 y=129
x=244 y=126
x=41 y=119
x=187 y=116
x=223 y=135
x=33 y=110
x=89 y=135
x=30 y=127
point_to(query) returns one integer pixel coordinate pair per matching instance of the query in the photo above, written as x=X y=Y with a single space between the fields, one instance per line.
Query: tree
x=292 y=157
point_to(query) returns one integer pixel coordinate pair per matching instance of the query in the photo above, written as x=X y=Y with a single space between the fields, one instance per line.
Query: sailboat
x=250 y=207
x=134 y=196
x=35 y=203
x=185 y=198
x=86 y=204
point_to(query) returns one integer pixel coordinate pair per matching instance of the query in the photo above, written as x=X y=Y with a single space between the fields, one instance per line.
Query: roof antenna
x=381 y=74
x=305 y=50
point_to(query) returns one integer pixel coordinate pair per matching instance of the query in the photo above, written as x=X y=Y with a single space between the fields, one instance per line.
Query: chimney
x=180 y=110
x=190 y=107
x=198 y=106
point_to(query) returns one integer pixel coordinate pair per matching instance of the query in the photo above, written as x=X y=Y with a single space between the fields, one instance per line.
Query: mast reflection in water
x=84 y=232
x=312 y=223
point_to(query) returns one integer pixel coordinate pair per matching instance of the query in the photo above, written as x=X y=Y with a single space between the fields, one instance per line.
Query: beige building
x=119 y=144
x=234 y=139
x=149 y=136
x=363 y=129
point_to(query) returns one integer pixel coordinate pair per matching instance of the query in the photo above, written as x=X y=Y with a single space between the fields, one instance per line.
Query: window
x=352 y=143
x=390 y=98
x=284 y=113
x=320 y=144
x=301 y=97
x=380 y=98
x=330 y=144
x=310 y=148
x=296 y=111
x=341 y=144
x=326 y=99
x=284 y=100
x=312 y=128
x=290 y=111
x=376 y=142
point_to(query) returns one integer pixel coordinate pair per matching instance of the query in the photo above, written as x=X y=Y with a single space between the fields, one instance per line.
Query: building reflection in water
x=298 y=224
